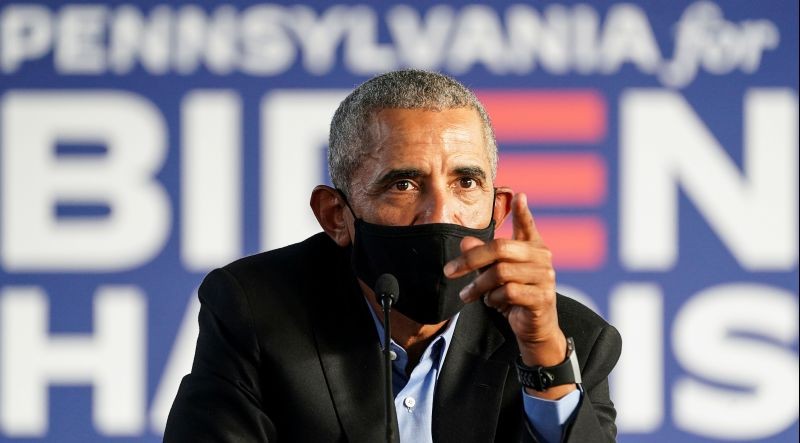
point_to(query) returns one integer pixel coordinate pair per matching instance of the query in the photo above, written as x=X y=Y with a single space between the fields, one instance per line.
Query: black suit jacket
x=288 y=351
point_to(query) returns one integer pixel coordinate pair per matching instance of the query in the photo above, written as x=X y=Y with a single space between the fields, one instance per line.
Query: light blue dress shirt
x=413 y=393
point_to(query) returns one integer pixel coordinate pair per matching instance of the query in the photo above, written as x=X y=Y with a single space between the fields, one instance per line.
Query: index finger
x=524 y=226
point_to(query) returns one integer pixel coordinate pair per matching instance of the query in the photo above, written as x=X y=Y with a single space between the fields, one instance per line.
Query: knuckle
x=546 y=296
x=537 y=315
x=503 y=272
x=514 y=291
x=500 y=246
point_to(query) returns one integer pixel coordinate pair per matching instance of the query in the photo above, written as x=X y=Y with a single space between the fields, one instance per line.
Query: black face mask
x=416 y=256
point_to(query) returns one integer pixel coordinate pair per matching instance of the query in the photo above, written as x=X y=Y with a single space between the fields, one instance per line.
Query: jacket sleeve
x=220 y=400
x=594 y=418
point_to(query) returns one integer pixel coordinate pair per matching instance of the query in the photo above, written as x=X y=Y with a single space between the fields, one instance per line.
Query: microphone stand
x=388 y=292
x=386 y=304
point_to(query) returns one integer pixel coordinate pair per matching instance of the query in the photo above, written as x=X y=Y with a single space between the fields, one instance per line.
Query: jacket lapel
x=469 y=391
x=351 y=359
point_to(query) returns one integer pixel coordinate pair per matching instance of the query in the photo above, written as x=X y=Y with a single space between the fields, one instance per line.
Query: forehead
x=422 y=132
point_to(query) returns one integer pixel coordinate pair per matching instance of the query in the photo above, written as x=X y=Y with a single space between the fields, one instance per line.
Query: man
x=289 y=346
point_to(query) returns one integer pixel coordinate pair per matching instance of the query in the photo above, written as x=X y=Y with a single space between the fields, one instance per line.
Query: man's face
x=424 y=167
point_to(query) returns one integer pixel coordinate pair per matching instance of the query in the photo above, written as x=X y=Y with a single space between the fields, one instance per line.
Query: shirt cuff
x=548 y=417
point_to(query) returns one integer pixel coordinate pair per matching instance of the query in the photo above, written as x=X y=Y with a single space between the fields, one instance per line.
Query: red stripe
x=555 y=179
x=577 y=243
x=546 y=116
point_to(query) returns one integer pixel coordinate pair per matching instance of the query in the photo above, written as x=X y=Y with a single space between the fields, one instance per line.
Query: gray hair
x=406 y=89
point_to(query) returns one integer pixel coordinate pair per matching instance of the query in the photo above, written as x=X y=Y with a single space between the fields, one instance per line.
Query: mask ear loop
x=494 y=200
x=347 y=203
x=494 y=203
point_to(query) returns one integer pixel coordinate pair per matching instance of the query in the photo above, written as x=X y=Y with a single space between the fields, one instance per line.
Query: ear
x=502 y=205
x=329 y=208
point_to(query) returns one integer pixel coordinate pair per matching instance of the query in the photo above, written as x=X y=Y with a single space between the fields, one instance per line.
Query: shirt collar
x=445 y=337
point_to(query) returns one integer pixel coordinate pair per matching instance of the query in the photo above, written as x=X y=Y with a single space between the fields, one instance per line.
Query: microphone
x=388 y=292
x=387 y=289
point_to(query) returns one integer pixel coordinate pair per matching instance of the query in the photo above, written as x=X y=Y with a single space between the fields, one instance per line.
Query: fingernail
x=464 y=292
x=450 y=268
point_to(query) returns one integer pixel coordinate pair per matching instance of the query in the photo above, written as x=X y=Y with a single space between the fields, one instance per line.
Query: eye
x=467 y=182
x=402 y=185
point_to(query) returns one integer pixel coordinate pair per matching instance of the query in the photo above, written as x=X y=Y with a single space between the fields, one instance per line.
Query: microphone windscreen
x=387 y=285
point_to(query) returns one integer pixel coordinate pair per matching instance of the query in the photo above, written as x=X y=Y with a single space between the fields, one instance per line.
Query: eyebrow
x=471 y=171
x=398 y=174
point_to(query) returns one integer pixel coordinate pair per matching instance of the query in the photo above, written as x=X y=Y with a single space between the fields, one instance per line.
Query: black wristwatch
x=541 y=378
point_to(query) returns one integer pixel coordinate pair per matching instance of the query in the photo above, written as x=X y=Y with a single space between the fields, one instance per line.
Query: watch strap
x=540 y=378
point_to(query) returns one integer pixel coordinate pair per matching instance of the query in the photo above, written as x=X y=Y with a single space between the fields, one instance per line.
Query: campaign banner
x=143 y=144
